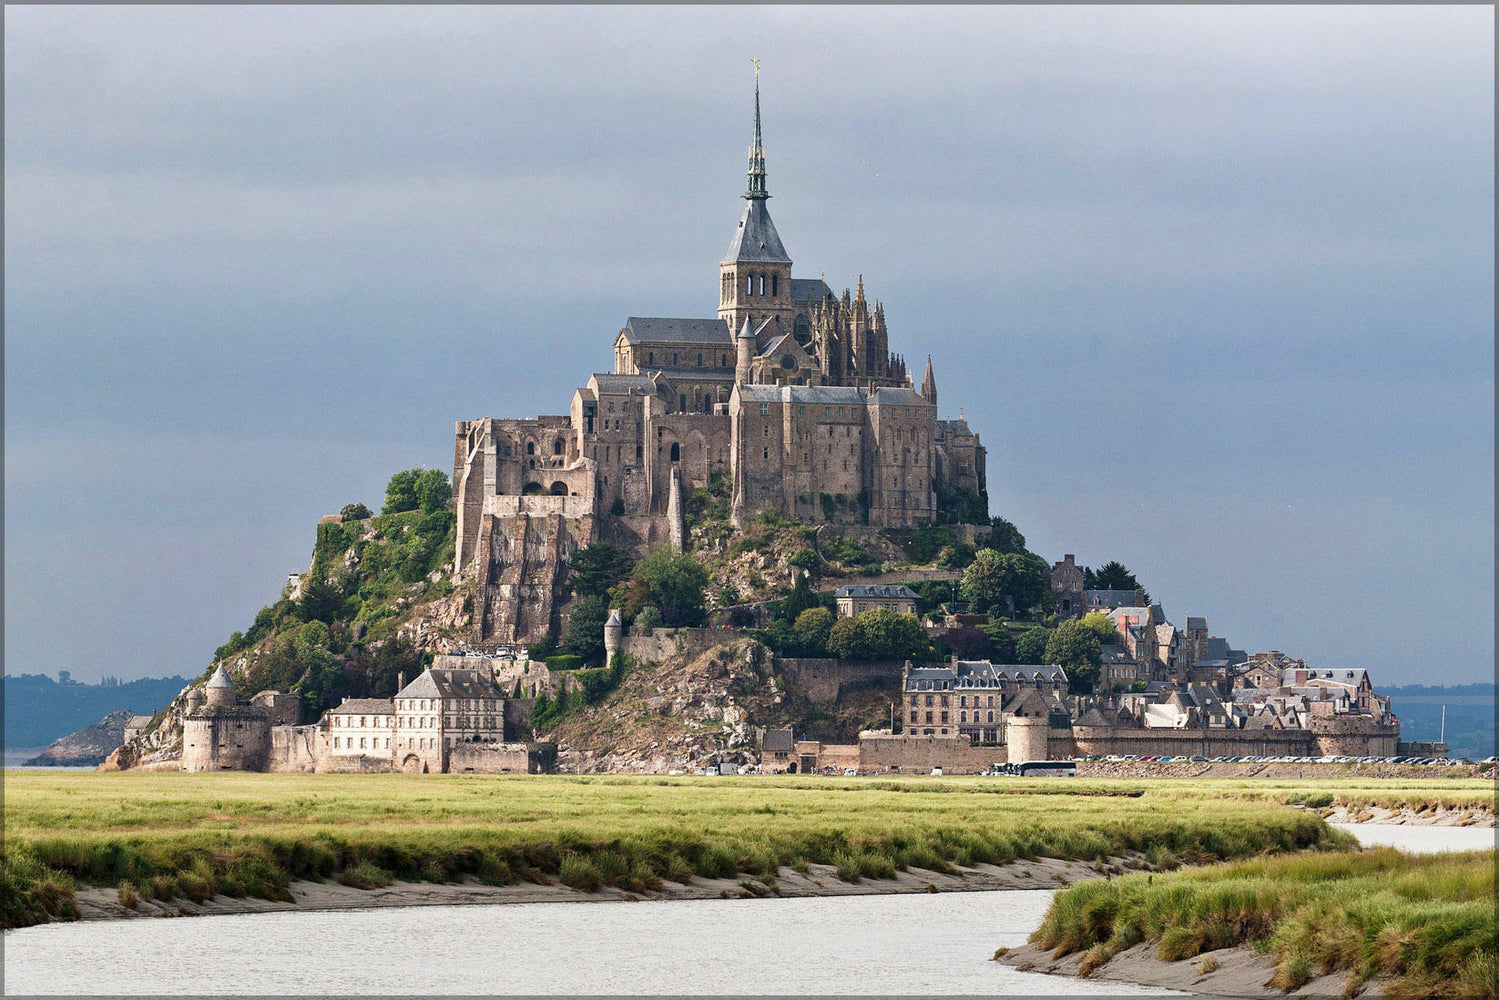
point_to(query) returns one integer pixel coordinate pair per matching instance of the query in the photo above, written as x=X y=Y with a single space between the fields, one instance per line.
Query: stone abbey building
x=790 y=393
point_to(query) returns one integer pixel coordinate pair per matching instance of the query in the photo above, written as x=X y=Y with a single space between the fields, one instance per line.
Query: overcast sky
x=1215 y=285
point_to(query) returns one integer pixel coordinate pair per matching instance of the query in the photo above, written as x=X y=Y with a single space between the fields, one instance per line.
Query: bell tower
x=754 y=277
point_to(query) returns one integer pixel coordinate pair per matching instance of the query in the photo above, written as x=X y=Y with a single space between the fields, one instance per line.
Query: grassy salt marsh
x=1423 y=923
x=167 y=835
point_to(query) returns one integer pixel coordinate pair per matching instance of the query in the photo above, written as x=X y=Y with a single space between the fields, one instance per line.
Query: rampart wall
x=920 y=754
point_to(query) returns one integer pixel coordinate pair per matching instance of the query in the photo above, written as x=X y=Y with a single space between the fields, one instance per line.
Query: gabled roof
x=809 y=290
x=777 y=740
x=1196 y=623
x=756 y=240
x=659 y=329
x=891 y=396
x=364 y=706
x=621 y=385
x=450 y=684
x=877 y=590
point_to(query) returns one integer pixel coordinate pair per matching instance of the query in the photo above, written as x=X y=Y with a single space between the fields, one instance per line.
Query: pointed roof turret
x=745 y=331
x=220 y=678
x=756 y=238
x=929 y=383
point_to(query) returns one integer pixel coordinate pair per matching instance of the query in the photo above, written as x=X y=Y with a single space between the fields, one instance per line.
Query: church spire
x=929 y=384
x=756 y=190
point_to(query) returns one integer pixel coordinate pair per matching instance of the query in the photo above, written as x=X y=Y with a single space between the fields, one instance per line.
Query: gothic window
x=762 y=284
x=557 y=447
x=530 y=447
x=676 y=452
x=749 y=285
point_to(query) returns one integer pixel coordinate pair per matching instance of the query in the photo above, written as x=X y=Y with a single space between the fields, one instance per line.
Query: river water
x=912 y=944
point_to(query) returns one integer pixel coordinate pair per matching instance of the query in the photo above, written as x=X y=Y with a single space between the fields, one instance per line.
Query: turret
x=744 y=344
x=614 y=629
x=220 y=689
x=929 y=383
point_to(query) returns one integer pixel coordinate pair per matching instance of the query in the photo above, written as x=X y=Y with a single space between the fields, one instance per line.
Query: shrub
x=648 y=619
x=128 y=896
x=355 y=512
x=365 y=875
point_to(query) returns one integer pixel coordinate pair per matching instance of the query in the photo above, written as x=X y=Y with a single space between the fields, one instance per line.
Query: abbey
x=790 y=394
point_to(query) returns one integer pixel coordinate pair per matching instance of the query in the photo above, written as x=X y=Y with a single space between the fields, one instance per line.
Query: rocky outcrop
x=88 y=746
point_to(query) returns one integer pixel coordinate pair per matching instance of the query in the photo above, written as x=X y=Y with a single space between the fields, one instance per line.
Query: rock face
x=89 y=746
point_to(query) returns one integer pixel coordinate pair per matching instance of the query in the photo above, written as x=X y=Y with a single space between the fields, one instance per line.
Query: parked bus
x=1038 y=769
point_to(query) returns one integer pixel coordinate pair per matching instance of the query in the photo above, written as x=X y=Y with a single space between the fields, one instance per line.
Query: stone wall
x=920 y=754
x=665 y=642
x=1354 y=736
x=502 y=758
x=1102 y=740
x=349 y=763
x=822 y=680
x=295 y=748
x=1027 y=738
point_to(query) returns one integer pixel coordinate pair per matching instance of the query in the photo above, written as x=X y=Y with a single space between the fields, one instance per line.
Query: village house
x=857 y=598
x=442 y=708
x=1067 y=587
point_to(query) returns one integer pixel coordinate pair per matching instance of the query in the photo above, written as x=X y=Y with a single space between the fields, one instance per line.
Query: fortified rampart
x=922 y=754
x=523 y=544
x=226 y=738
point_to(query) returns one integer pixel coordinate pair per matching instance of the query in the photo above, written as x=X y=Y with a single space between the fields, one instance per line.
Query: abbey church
x=790 y=394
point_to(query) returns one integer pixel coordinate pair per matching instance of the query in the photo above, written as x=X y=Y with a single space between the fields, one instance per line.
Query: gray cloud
x=1215 y=284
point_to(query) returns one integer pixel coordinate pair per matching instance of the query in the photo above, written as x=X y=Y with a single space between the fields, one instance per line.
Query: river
x=912 y=944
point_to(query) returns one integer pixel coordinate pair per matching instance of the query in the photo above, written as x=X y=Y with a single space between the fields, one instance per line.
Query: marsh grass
x=237 y=834
x=1427 y=922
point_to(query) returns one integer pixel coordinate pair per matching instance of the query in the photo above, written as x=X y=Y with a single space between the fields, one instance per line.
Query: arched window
x=749 y=285
x=775 y=284
x=530 y=447
x=762 y=284
x=557 y=447
x=676 y=452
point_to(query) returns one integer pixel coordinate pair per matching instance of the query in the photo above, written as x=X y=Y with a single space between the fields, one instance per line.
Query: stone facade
x=857 y=598
x=790 y=392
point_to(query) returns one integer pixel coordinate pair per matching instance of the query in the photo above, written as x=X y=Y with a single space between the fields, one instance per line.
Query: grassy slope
x=250 y=834
x=1427 y=922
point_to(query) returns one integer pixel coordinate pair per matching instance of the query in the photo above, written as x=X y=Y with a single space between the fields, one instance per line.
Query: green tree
x=354 y=512
x=322 y=675
x=648 y=619
x=880 y=634
x=1030 y=648
x=597 y=567
x=800 y=599
x=400 y=492
x=321 y=601
x=812 y=629
x=1074 y=646
x=432 y=491
x=1103 y=625
x=585 y=630
x=676 y=583
x=1004 y=536
x=1004 y=581
x=1112 y=575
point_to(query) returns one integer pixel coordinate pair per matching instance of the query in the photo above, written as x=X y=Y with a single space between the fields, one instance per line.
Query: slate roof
x=890 y=396
x=659 y=329
x=1114 y=653
x=820 y=394
x=1196 y=623
x=982 y=674
x=620 y=385
x=878 y=590
x=809 y=290
x=450 y=684
x=364 y=706
x=756 y=239
x=777 y=740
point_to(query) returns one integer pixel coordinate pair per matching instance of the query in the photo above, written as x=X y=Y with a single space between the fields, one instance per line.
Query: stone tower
x=614 y=629
x=220 y=689
x=754 y=276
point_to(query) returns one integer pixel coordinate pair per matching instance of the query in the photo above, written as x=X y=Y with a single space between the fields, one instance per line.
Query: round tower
x=613 y=631
x=221 y=689
x=745 y=358
x=194 y=700
x=1026 y=738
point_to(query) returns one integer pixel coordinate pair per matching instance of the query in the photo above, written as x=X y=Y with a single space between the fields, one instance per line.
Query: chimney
x=400 y=681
